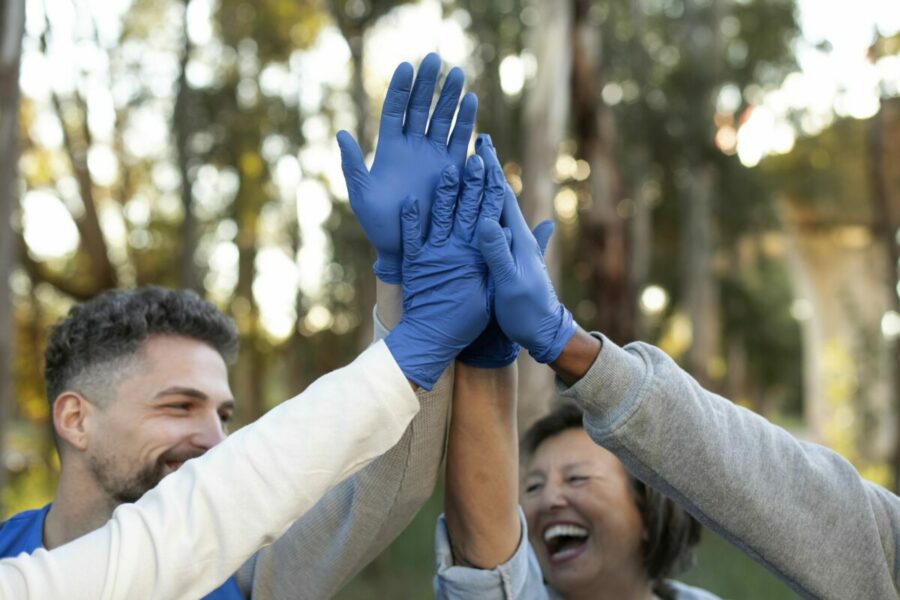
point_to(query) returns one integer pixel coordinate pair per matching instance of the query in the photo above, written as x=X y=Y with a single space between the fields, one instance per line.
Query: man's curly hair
x=101 y=337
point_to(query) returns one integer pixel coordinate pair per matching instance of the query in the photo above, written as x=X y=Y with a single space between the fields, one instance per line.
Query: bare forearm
x=577 y=357
x=389 y=303
x=481 y=494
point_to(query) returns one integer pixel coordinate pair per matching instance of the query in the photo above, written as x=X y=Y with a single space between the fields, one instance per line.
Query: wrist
x=421 y=358
x=577 y=357
x=554 y=333
x=388 y=303
x=490 y=350
x=387 y=270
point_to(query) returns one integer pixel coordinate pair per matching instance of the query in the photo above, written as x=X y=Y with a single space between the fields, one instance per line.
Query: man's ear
x=70 y=411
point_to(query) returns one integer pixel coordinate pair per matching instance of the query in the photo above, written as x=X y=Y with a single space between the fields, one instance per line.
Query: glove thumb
x=494 y=248
x=352 y=163
x=542 y=234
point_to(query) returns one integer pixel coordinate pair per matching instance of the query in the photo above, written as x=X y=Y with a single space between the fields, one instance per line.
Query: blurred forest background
x=723 y=173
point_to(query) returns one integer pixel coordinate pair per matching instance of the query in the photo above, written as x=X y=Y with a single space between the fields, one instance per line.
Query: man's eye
x=226 y=418
x=182 y=406
x=577 y=479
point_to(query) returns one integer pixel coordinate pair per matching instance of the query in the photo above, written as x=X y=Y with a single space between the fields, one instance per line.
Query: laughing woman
x=586 y=527
x=595 y=529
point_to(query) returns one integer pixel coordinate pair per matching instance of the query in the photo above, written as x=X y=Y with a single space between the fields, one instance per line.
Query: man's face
x=173 y=405
x=582 y=520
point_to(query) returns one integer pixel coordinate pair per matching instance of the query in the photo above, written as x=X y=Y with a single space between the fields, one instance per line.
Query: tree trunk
x=183 y=122
x=840 y=270
x=12 y=28
x=604 y=230
x=366 y=288
x=93 y=241
x=699 y=285
x=887 y=232
x=546 y=114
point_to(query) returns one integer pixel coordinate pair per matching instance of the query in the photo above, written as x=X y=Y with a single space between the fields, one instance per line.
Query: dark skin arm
x=577 y=357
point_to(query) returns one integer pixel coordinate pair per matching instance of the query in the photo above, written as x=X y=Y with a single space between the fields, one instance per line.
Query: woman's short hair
x=671 y=532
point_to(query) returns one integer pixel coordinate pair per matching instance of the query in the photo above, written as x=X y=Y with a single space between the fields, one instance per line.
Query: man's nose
x=210 y=431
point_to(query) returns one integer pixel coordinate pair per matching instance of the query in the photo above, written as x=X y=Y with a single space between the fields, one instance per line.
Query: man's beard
x=129 y=487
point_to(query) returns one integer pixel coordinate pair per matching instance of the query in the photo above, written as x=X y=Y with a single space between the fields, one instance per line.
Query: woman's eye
x=533 y=487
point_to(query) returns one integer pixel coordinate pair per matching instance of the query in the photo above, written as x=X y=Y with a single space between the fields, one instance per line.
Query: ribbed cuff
x=610 y=392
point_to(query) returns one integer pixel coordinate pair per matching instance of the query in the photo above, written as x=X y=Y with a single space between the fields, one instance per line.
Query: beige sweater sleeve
x=360 y=517
x=191 y=532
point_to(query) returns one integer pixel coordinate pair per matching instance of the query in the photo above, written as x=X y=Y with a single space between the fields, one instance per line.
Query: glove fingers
x=422 y=94
x=511 y=216
x=542 y=234
x=411 y=226
x=495 y=250
x=395 y=101
x=444 y=203
x=473 y=186
x=446 y=106
x=352 y=163
x=492 y=205
x=462 y=133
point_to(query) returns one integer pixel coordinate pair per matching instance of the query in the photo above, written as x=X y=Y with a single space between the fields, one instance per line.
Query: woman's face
x=582 y=520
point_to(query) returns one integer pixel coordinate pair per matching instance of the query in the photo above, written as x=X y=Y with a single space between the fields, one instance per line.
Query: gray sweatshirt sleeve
x=798 y=509
x=359 y=518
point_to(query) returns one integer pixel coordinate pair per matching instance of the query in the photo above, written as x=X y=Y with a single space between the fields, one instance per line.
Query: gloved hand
x=492 y=349
x=408 y=161
x=525 y=302
x=445 y=301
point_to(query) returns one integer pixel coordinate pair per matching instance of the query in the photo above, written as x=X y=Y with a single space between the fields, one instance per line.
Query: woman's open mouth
x=565 y=541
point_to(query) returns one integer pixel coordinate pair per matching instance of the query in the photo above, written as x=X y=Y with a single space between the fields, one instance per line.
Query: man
x=196 y=526
x=142 y=440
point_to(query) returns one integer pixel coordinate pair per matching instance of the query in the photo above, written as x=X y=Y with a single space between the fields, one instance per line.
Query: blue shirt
x=24 y=532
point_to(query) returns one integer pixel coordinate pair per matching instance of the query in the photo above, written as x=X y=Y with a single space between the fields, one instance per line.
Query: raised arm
x=481 y=492
x=274 y=470
x=357 y=520
x=480 y=543
x=361 y=516
x=798 y=509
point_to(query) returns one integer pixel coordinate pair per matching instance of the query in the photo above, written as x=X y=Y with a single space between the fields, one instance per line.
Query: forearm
x=360 y=517
x=388 y=303
x=481 y=493
x=273 y=469
x=577 y=357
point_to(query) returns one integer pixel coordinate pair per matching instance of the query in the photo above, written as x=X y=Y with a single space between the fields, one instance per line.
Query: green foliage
x=826 y=176
x=727 y=572
x=273 y=25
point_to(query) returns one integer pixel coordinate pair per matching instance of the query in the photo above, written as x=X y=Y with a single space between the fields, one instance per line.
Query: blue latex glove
x=493 y=349
x=408 y=161
x=445 y=279
x=525 y=302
